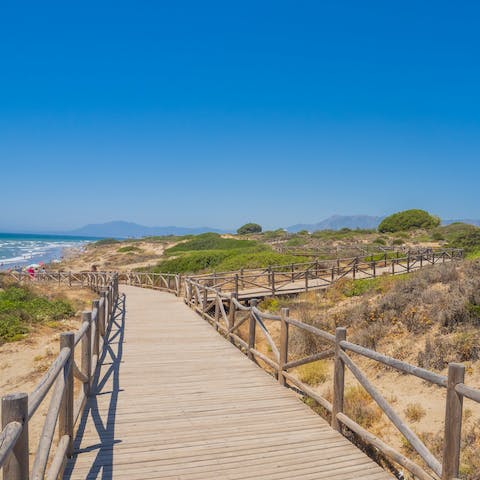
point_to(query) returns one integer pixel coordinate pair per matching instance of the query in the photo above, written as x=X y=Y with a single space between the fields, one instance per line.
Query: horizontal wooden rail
x=63 y=410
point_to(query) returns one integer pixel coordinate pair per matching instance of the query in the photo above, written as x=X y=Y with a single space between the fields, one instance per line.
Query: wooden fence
x=296 y=277
x=64 y=409
x=227 y=314
x=159 y=281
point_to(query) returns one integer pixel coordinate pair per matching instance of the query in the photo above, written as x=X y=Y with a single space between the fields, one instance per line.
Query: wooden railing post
x=306 y=280
x=87 y=352
x=103 y=310
x=453 y=422
x=283 y=344
x=235 y=286
x=15 y=409
x=65 y=417
x=273 y=282
x=252 y=329
x=178 y=285
x=96 y=338
x=217 y=311
x=293 y=272
x=338 y=378
x=231 y=314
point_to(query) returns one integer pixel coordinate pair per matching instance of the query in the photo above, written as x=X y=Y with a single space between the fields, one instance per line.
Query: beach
x=18 y=250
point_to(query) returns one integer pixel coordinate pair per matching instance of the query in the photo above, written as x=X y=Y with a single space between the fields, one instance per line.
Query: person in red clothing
x=31 y=272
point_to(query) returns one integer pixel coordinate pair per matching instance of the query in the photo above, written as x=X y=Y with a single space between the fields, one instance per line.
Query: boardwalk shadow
x=106 y=382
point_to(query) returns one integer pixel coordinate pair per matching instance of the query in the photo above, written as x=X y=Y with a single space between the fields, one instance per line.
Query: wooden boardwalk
x=175 y=400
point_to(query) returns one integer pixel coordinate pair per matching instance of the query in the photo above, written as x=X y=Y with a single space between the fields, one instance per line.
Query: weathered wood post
x=408 y=262
x=386 y=259
x=241 y=278
x=283 y=344
x=273 y=282
x=453 y=422
x=393 y=266
x=65 y=417
x=217 y=312
x=235 y=284
x=292 y=268
x=95 y=319
x=15 y=409
x=252 y=329
x=178 y=285
x=333 y=275
x=374 y=268
x=231 y=315
x=102 y=311
x=306 y=280
x=338 y=378
x=87 y=352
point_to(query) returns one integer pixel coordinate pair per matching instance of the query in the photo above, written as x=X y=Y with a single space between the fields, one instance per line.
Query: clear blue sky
x=217 y=113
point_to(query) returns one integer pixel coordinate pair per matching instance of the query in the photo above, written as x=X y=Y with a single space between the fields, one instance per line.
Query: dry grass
x=414 y=412
x=313 y=373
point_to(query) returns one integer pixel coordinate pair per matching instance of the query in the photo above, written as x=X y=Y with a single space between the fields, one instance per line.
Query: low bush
x=359 y=406
x=210 y=241
x=414 y=412
x=129 y=249
x=105 y=241
x=313 y=373
x=20 y=307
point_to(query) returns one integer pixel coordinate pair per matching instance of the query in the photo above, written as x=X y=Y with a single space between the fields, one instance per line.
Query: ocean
x=18 y=249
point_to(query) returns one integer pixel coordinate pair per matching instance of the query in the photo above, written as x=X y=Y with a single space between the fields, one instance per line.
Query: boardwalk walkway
x=175 y=400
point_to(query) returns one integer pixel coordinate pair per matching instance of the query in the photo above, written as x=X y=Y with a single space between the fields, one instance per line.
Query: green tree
x=249 y=228
x=408 y=220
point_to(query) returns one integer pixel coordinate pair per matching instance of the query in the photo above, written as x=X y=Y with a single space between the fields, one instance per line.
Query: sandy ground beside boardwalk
x=23 y=363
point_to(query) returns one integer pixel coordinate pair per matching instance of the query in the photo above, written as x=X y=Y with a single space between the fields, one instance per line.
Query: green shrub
x=408 y=220
x=210 y=241
x=105 y=241
x=193 y=262
x=398 y=241
x=129 y=249
x=249 y=228
x=273 y=234
x=19 y=307
x=380 y=241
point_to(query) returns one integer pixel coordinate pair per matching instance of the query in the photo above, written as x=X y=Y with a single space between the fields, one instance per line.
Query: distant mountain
x=337 y=222
x=471 y=222
x=120 y=229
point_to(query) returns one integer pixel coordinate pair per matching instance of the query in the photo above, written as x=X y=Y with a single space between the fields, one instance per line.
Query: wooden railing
x=159 y=281
x=260 y=282
x=64 y=409
x=167 y=282
x=227 y=314
x=286 y=279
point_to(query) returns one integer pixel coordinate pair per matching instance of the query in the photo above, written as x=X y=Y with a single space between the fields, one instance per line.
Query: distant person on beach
x=31 y=272
x=94 y=268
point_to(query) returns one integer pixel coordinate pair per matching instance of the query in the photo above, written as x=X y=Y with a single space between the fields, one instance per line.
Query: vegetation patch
x=20 y=308
x=105 y=241
x=249 y=228
x=129 y=249
x=408 y=220
x=210 y=241
x=313 y=373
